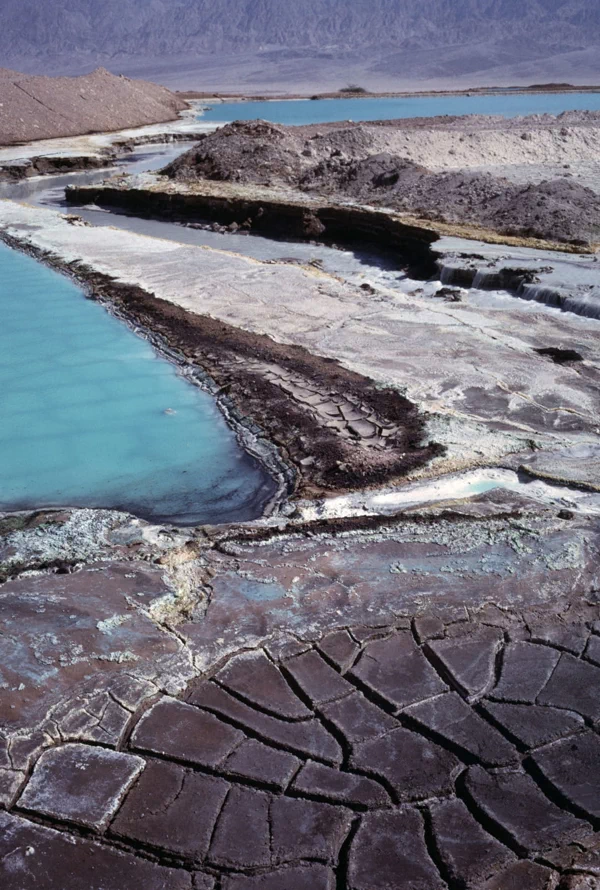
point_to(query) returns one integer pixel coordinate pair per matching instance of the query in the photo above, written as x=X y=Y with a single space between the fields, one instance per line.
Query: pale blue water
x=306 y=111
x=92 y=416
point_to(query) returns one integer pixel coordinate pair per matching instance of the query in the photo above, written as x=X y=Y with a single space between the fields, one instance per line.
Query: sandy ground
x=44 y=107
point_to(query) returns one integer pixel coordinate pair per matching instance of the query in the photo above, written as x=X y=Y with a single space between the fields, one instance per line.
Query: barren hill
x=45 y=107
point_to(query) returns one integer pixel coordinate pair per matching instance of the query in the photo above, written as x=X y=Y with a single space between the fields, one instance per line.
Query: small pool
x=307 y=111
x=92 y=416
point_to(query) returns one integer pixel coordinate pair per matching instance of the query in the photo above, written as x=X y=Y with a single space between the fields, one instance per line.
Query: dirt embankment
x=339 y=430
x=376 y=165
x=25 y=168
x=47 y=107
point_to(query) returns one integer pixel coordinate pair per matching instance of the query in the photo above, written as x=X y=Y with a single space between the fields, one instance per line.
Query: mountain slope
x=169 y=26
x=130 y=30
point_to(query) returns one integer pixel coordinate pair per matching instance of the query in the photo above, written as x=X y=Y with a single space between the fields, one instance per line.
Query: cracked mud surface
x=345 y=704
x=338 y=430
x=330 y=706
x=442 y=752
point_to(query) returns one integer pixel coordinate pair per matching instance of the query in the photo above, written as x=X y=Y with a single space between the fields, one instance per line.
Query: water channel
x=93 y=416
x=307 y=111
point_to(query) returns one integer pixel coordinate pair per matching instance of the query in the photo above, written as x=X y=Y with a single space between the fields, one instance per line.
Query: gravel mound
x=344 y=163
x=244 y=151
x=47 y=107
x=560 y=210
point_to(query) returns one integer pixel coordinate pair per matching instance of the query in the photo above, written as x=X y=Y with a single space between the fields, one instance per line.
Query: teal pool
x=92 y=416
x=307 y=111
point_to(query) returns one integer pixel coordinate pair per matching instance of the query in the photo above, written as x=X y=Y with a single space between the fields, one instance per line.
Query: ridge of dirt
x=38 y=107
x=376 y=165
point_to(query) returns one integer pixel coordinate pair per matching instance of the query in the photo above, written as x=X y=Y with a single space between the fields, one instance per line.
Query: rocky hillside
x=170 y=26
x=45 y=107
x=382 y=36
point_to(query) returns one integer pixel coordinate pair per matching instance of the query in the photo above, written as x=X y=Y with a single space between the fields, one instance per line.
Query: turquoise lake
x=92 y=416
x=306 y=111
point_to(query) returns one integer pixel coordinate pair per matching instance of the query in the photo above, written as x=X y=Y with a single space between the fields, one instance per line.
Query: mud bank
x=419 y=169
x=26 y=168
x=289 y=215
x=335 y=428
x=282 y=219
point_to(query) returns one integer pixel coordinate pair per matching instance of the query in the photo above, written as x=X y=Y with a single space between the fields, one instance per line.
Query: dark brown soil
x=46 y=166
x=326 y=462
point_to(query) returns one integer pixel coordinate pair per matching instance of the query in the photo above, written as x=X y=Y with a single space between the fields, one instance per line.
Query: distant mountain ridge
x=114 y=31
x=167 y=26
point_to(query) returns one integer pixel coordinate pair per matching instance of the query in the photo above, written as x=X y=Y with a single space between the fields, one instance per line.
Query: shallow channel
x=92 y=416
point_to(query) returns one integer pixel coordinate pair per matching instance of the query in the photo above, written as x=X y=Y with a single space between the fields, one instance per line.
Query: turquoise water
x=306 y=111
x=92 y=416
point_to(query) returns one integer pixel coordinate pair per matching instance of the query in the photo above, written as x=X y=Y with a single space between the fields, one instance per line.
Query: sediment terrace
x=483 y=388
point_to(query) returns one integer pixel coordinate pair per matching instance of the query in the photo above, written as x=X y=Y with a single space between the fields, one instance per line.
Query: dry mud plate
x=438 y=754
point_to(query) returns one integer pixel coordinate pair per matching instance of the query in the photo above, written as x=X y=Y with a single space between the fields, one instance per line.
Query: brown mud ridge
x=347 y=164
x=337 y=429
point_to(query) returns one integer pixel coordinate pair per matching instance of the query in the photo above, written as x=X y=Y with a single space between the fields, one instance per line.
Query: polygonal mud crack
x=351 y=766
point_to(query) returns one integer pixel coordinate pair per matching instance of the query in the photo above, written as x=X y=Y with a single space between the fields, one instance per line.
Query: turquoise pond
x=306 y=111
x=92 y=416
